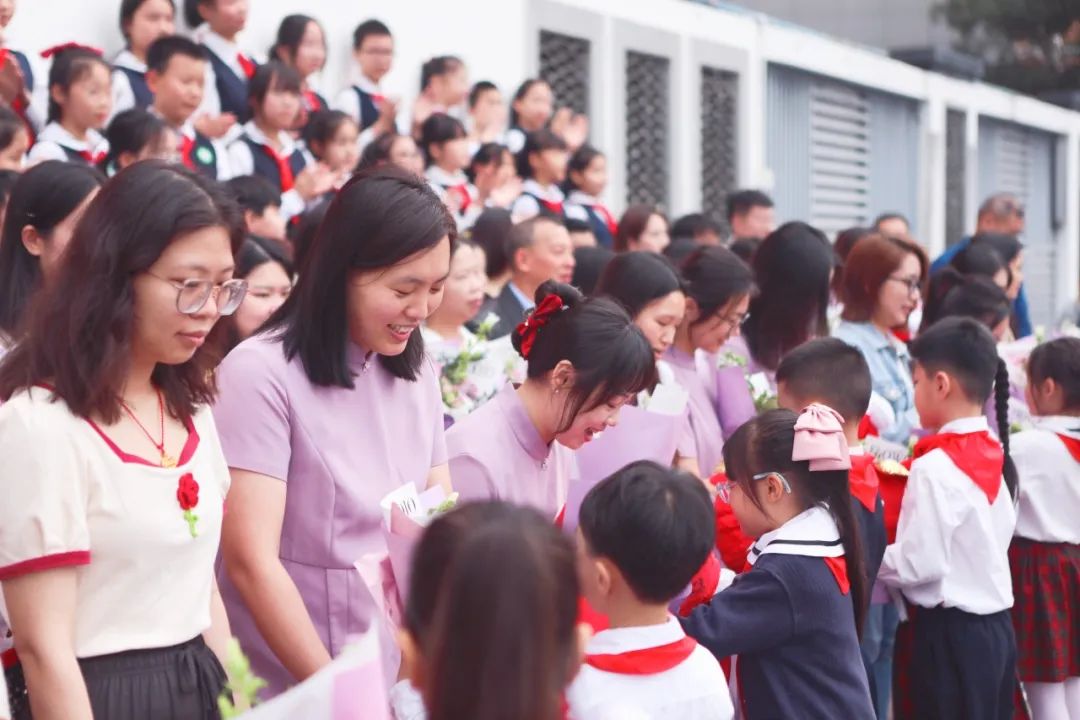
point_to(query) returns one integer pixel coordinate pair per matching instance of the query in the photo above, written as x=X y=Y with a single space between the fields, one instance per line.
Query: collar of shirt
x=678 y=358
x=437 y=175
x=526 y=302
x=363 y=82
x=965 y=426
x=811 y=533
x=224 y=49
x=551 y=193
x=875 y=339
x=359 y=359
x=520 y=424
x=577 y=197
x=126 y=59
x=1059 y=425
x=615 y=641
x=288 y=145
x=186 y=130
x=56 y=133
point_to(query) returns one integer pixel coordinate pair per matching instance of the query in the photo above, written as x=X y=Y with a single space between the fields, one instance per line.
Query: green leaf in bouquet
x=242 y=689
x=445 y=506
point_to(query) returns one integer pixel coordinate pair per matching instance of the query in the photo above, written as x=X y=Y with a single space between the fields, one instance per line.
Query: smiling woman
x=328 y=408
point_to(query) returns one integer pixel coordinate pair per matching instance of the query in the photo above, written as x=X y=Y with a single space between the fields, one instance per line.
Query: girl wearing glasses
x=326 y=410
x=114 y=479
x=792 y=618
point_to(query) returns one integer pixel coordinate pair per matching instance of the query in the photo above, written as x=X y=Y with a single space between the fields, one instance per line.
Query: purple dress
x=708 y=436
x=497 y=453
x=339 y=452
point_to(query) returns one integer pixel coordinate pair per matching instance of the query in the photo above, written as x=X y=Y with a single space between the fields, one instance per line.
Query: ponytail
x=1001 y=407
x=838 y=497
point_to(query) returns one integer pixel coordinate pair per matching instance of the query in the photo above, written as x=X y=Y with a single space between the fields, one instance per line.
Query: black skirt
x=182 y=682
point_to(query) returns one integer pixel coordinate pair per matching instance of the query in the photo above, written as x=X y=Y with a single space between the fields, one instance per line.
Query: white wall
x=488 y=34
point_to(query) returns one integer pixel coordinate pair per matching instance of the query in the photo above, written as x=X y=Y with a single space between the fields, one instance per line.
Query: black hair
x=519 y=95
x=635 y=279
x=523 y=234
x=536 y=142
x=952 y=294
x=10 y=124
x=366 y=29
x=965 y=349
x=42 y=198
x=886 y=216
x=290 y=34
x=165 y=48
x=437 y=67
x=589 y=264
x=490 y=232
x=130 y=132
x=256 y=251
x=253 y=192
x=742 y=201
x=303 y=233
x=487 y=154
x=273 y=75
x=191 y=13
x=8 y=178
x=695 y=224
x=1058 y=360
x=377 y=152
x=679 y=249
x=479 y=89
x=128 y=8
x=810 y=373
x=1007 y=246
x=323 y=125
x=792 y=269
x=654 y=523
x=713 y=277
x=764 y=445
x=579 y=162
x=746 y=248
x=379 y=218
x=610 y=355
x=438 y=129
x=979 y=259
x=69 y=66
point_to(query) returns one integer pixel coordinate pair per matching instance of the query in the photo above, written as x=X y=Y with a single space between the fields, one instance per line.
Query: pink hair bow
x=819 y=438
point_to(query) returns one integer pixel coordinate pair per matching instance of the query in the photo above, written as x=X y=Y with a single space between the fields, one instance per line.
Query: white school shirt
x=576 y=204
x=122 y=94
x=73 y=499
x=440 y=180
x=526 y=206
x=348 y=102
x=54 y=138
x=1049 y=481
x=951 y=544
x=695 y=689
x=241 y=162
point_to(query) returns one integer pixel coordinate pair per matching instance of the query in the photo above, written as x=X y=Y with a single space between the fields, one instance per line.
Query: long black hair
x=130 y=132
x=965 y=349
x=41 y=198
x=764 y=444
x=289 y=36
x=635 y=279
x=955 y=295
x=378 y=219
x=714 y=276
x=1058 y=360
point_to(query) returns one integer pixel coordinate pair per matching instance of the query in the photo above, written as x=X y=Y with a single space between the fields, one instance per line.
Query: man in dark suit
x=539 y=250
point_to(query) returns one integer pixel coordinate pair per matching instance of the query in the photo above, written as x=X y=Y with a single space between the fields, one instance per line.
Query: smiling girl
x=586 y=359
x=79 y=106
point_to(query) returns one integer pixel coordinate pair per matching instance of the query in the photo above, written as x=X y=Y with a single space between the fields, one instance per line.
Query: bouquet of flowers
x=406 y=513
x=730 y=364
x=762 y=392
x=458 y=392
x=242 y=690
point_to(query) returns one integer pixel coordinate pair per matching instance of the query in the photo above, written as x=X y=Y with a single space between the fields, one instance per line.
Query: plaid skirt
x=1046 y=612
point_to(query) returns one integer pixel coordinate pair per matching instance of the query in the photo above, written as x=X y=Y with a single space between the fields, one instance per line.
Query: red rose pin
x=187 y=494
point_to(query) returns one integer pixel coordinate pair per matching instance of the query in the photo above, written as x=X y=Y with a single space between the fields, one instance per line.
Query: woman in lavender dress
x=325 y=411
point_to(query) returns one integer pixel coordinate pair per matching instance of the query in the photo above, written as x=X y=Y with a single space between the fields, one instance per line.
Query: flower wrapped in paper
x=406 y=513
x=473 y=368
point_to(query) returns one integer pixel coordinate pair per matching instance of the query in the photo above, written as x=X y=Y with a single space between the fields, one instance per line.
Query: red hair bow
x=57 y=49
x=539 y=317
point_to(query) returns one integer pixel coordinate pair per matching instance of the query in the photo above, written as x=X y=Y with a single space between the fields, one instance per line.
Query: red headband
x=539 y=317
x=57 y=49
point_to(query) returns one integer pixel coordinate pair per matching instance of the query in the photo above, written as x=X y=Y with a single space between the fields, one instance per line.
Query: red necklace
x=167 y=460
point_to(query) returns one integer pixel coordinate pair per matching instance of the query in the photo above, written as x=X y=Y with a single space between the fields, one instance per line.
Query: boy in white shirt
x=642 y=535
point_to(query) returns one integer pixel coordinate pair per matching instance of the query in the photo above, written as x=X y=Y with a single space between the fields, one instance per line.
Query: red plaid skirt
x=1046 y=612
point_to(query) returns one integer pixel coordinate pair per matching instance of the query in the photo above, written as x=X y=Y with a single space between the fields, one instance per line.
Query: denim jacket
x=890 y=373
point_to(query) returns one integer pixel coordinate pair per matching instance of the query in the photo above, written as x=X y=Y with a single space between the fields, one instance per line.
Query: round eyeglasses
x=193 y=294
x=723 y=490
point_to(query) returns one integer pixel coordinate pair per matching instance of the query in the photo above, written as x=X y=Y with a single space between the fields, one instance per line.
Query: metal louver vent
x=564 y=64
x=839 y=156
x=647 y=128
x=719 y=149
x=955 y=173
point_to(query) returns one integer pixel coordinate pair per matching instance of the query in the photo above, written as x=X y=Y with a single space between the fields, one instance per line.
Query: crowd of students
x=235 y=317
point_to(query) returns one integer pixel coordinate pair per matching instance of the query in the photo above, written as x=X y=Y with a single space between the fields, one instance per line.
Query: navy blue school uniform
x=56 y=143
x=202 y=154
x=360 y=102
x=580 y=206
x=535 y=199
x=251 y=154
x=950 y=560
x=229 y=69
x=790 y=621
x=129 y=88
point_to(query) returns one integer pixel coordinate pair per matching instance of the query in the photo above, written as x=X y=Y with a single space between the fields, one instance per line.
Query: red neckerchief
x=902 y=334
x=647 y=661
x=552 y=205
x=838 y=567
x=187 y=146
x=462 y=192
x=702 y=586
x=284 y=169
x=246 y=64
x=94 y=158
x=311 y=101
x=863 y=480
x=977 y=455
x=609 y=219
x=377 y=98
x=1072 y=445
x=867 y=428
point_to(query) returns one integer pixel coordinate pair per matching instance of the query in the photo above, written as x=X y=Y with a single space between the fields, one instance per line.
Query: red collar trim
x=647 y=661
x=978 y=455
x=863 y=480
x=1071 y=444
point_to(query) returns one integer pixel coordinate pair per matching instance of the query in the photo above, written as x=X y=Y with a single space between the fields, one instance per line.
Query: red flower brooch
x=187 y=494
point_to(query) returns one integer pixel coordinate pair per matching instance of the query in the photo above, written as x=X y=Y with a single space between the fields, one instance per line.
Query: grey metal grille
x=648 y=80
x=564 y=64
x=719 y=138
x=955 y=173
x=839 y=156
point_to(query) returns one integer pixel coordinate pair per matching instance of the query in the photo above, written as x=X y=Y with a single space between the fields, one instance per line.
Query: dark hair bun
x=571 y=297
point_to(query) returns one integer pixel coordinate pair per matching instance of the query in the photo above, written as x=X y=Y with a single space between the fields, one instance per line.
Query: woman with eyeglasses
x=718 y=287
x=114 y=479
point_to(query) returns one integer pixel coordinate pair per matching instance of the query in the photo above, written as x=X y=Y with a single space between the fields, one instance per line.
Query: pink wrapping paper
x=732 y=400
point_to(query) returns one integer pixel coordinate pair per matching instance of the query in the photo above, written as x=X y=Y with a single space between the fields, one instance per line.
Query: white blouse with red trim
x=71 y=498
